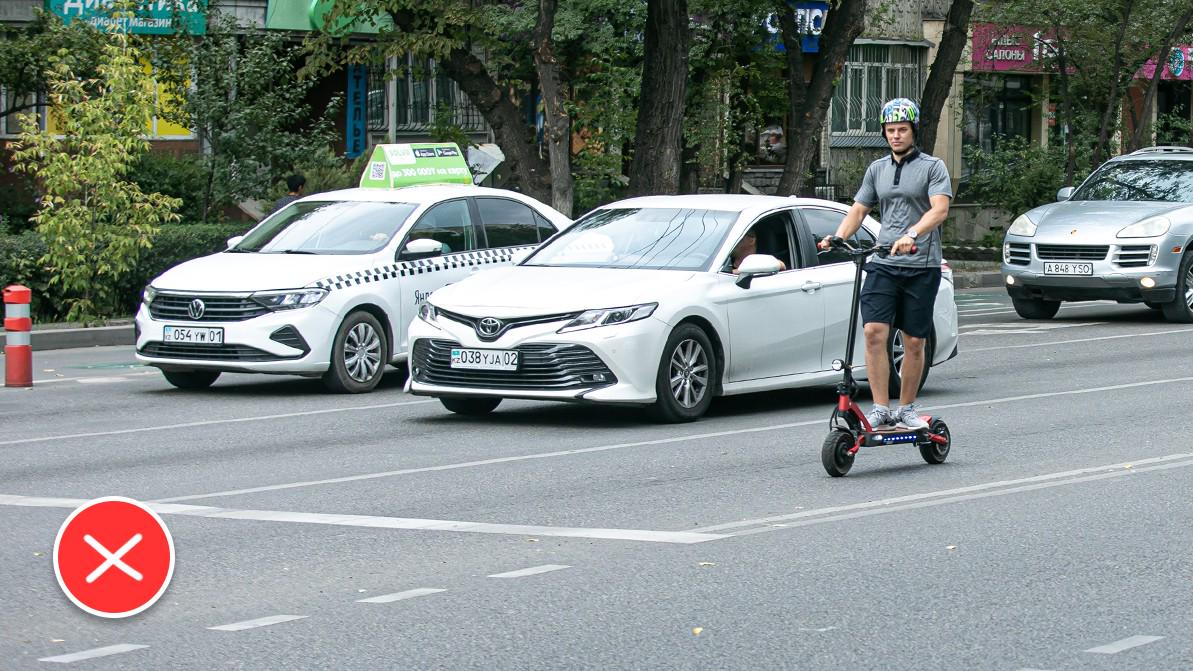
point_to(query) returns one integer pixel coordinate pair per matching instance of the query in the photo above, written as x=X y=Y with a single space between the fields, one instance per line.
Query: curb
x=977 y=280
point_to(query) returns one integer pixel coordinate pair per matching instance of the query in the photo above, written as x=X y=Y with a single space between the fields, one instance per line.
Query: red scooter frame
x=849 y=430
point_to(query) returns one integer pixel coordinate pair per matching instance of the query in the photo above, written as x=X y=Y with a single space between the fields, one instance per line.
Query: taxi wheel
x=687 y=374
x=894 y=349
x=358 y=355
x=191 y=379
x=1035 y=308
x=1181 y=309
x=473 y=407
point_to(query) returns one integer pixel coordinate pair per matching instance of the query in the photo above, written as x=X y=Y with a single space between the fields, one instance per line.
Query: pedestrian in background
x=295 y=183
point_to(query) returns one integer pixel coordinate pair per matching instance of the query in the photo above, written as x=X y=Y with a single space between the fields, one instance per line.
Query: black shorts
x=901 y=297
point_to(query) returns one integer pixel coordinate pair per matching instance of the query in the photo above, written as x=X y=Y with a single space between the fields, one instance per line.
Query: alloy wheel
x=689 y=373
x=362 y=352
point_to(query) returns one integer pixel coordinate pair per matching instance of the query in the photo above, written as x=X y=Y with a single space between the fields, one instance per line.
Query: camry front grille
x=1072 y=252
x=176 y=307
x=541 y=366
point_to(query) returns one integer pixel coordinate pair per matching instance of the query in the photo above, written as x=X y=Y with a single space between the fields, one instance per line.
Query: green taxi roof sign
x=398 y=165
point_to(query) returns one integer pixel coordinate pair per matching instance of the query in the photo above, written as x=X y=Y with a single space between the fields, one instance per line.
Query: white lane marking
x=643 y=443
x=1064 y=306
x=259 y=622
x=81 y=378
x=534 y=570
x=1077 y=340
x=94 y=652
x=401 y=596
x=1024 y=327
x=102 y=380
x=113 y=558
x=942 y=501
x=376 y=522
x=212 y=422
x=1125 y=644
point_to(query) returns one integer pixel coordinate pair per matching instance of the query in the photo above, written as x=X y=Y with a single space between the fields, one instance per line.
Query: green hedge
x=19 y=256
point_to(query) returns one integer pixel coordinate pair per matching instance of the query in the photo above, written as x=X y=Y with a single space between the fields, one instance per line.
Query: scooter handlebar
x=842 y=244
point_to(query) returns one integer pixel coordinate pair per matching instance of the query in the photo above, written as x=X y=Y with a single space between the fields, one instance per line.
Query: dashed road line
x=93 y=653
x=534 y=570
x=1077 y=340
x=1124 y=644
x=401 y=596
x=259 y=622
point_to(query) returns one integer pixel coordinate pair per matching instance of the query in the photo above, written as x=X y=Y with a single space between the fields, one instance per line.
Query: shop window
x=873 y=74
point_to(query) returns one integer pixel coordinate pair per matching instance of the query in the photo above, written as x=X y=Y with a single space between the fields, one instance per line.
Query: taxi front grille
x=176 y=307
x=208 y=352
x=545 y=366
x=1072 y=252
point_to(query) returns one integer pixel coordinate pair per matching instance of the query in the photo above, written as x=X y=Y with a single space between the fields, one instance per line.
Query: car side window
x=770 y=235
x=449 y=224
x=507 y=223
x=823 y=222
x=546 y=228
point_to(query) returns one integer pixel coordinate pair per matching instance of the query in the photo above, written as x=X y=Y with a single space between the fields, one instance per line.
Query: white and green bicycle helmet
x=901 y=110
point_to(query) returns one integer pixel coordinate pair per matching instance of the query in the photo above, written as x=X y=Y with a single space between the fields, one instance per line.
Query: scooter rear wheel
x=932 y=451
x=834 y=454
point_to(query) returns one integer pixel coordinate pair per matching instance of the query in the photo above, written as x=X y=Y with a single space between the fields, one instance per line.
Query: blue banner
x=355 y=115
x=809 y=17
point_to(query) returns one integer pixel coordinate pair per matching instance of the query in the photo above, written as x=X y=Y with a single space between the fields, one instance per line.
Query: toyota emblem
x=489 y=327
x=196 y=309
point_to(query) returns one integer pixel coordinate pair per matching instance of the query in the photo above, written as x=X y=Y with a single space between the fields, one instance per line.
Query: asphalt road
x=380 y=531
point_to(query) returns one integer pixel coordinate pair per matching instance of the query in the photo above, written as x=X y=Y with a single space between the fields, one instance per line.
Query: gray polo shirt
x=901 y=191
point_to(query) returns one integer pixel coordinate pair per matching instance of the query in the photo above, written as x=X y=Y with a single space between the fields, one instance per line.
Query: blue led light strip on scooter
x=900 y=438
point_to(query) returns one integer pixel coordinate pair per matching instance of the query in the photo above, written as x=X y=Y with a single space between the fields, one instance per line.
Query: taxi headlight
x=289 y=299
x=1022 y=226
x=1147 y=228
x=609 y=316
x=148 y=294
x=428 y=313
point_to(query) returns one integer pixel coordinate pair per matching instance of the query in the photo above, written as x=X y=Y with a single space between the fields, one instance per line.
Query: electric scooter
x=849 y=430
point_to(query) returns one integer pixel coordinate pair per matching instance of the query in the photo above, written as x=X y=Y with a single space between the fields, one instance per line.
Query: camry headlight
x=1022 y=226
x=289 y=299
x=1147 y=228
x=609 y=316
x=428 y=313
x=148 y=294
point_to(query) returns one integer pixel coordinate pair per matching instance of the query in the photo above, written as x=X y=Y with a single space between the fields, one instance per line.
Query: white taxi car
x=637 y=303
x=327 y=285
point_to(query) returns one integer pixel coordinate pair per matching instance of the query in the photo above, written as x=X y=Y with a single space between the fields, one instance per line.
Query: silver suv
x=1123 y=235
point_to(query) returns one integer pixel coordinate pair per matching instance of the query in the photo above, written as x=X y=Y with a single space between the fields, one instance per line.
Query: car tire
x=358 y=355
x=1035 y=308
x=472 y=407
x=894 y=352
x=686 y=377
x=1180 y=310
x=191 y=379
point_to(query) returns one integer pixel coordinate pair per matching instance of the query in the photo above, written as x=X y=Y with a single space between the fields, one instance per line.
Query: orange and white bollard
x=18 y=347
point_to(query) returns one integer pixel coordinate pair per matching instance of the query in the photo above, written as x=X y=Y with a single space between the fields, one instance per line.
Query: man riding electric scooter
x=912 y=191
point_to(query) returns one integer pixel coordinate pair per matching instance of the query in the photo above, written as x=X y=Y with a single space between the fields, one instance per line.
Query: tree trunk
x=689 y=169
x=1149 y=99
x=558 y=124
x=1114 y=95
x=659 y=135
x=944 y=66
x=809 y=101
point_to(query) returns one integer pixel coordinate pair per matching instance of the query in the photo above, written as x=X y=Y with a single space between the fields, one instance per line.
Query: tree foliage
x=27 y=50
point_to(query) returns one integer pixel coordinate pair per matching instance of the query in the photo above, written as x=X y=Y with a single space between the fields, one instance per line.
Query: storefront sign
x=311 y=15
x=809 y=18
x=1177 y=67
x=150 y=17
x=355 y=114
x=1006 y=48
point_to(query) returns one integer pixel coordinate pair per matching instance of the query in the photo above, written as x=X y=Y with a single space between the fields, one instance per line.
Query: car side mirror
x=1065 y=193
x=756 y=265
x=421 y=249
x=234 y=240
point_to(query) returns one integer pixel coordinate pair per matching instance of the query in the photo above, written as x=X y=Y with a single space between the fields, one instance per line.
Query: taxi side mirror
x=756 y=265
x=420 y=249
x=234 y=240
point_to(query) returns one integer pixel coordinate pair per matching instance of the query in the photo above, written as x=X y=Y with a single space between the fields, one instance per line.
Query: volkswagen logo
x=196 y=309
x=489 y=327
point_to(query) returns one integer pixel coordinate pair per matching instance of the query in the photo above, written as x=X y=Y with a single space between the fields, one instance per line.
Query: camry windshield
x=659 y=238
x=1168 y=181
x=327 y=227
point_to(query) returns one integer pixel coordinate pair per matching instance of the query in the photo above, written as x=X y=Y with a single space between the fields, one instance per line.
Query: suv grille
x=178 y=350
x=1134 y=256
x=1072 y=252
x=1018 y=253
x=175 y=307
x=541 y=366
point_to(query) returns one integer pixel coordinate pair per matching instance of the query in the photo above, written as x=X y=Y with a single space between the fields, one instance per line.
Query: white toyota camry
x=648 y=301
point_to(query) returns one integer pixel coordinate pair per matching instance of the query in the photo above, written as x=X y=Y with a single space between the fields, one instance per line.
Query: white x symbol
x=112 y=558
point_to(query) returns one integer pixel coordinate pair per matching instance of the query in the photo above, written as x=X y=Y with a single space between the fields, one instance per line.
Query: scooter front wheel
x=932 y=451
x=834 y=454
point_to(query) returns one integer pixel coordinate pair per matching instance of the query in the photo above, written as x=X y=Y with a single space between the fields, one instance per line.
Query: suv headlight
x=1022 y=226
x=609 y=316
x=289 y=299
x=428 y=313
x=148 y=294
x=1148 y=228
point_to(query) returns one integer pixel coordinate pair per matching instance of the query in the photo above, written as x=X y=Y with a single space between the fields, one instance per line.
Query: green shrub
x=1017 y=176
x=19 y=255
x=171 y=246
x=180 y=177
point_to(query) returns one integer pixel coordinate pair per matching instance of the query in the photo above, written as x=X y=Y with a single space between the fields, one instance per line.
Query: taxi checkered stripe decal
x=420 y=267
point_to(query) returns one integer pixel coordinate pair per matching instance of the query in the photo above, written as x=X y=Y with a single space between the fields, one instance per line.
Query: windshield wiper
x=297 y=251
x=237 y=250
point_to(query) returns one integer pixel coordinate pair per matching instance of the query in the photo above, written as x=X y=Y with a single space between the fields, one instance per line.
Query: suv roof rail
x=1170 y=149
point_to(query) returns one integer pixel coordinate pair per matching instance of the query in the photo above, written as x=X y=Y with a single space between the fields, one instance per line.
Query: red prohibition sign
x=113 y=557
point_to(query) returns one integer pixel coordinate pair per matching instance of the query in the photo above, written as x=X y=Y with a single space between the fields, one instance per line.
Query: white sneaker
x=908 y=417
x=880 y=415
